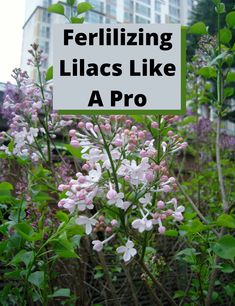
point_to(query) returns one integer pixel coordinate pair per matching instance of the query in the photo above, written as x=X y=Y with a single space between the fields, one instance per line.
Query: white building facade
x=37 y=26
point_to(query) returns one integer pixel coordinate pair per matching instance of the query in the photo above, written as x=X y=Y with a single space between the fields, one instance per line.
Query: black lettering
x=132 y=69
x=67 y=37
x=155 y=69
x=102 y=69
x=166 y=44
x=115 y=96
x=127 y=99
x=95 y=99
x=62 y=69
x=92 y=38
x=80 y=39
x=169 y=69
x=140 y=100
x=117 y=69
x=131 y=41
x=92 y=70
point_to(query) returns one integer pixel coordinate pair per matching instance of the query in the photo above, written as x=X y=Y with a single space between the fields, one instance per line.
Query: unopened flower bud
x=72 y=133
x=161 y=229
x=160 y=204
x=114 y=223
x=154 y=125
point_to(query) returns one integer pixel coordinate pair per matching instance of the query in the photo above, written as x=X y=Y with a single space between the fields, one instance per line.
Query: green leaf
x=138 y=118
x=11 y=146
x=3 y=155
x=198 y=28
x=225 y=35
x=171 y=233
x=75 y=152
x=220 y=8
x=179 y=294
x=83 y=7
x=63 y=247
x=219 y=57
x=71 y=2
x=56 y=8
x=226 y=268
x=5 y=186
x=207 y=72
x=216 y=2
x=41 y=197
x=230 y=77
x=28 y=258
x=49 y=73
x=37 y=278
x=18 y=257
x=230 y=19
x=63 y=292
x=27 y=232
x=77 y=20
x=188 y=255
x=228 y=92
x=5 y=192
x=225 y=247
x=229 y=59
x=230 y=289
x=187 y=120
x=193 y=226
x=226 y=221
x=98 y=275
x=13 y=274
x=62 y=216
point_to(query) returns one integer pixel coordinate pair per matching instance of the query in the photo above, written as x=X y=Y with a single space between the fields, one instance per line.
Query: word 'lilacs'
x=124 y=187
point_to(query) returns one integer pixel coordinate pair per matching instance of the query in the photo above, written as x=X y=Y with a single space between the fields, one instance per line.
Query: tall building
x=37 y=26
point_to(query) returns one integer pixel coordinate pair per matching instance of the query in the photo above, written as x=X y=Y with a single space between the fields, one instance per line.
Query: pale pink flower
x=128 y=250
x=87 y=222
x=142 y=225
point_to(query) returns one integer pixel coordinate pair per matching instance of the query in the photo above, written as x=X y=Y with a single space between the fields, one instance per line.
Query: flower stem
x=156 y=282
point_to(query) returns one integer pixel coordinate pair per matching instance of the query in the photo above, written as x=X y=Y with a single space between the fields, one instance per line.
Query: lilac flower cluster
x=227 y=142
x=125 y=173
x=28 y=112
x=202 y=128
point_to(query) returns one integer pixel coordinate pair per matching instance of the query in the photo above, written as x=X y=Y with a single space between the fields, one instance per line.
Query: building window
x=139 y=19
x=174 y=11
x=190 y=3
x=93 y=17
x=142 y=9
x=128 y=17
x=47 y=32
x=158 y=6
x=47 y=3
x=157 y=18
x=128 y=5
x=45 y=64
x=111 y=9
x=67 y=10
x=43 y=31
x=175 y=2
x=98 y=5
x=145 y=1
x=46 y=47
x=46 y=17
x=174 y=20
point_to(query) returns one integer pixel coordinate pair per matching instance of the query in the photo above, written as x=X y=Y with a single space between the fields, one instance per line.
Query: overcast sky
x=11 y=21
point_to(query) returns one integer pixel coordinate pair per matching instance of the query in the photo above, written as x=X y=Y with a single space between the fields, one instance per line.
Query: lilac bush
x=89 y=202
